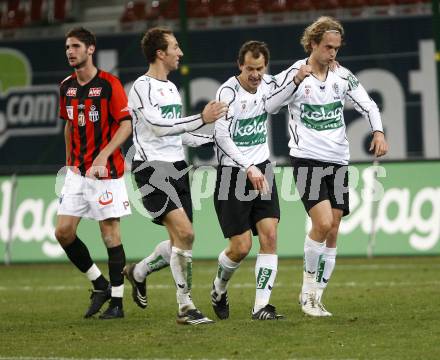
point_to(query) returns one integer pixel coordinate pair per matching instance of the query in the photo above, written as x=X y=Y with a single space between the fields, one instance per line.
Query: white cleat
x=324 y=311
x=311 y=306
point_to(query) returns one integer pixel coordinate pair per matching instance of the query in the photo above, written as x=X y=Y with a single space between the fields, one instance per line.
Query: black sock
x=79 y=255
x=101 y=283
x=116 y=263
x=115 y=301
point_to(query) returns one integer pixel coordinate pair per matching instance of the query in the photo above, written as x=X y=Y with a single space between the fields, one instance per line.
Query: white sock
x=93 y=273
x=118 y=291
x=181 y=268
x=266 y=268
x=325 y=269
x=157 y=260
x=312 y=251
x=226 y=268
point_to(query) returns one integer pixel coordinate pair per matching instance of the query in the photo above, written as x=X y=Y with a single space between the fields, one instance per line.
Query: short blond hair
x=315 y=31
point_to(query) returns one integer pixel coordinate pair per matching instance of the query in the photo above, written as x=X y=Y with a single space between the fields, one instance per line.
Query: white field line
x=72 y=358
x=348 y=284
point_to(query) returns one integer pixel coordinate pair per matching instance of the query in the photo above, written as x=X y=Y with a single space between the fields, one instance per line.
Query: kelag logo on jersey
x=322 y=117
x=252 y=131
x=171 y=111
x=25 y=110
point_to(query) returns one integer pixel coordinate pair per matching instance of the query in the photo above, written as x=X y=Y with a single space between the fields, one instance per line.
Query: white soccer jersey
x=241 y=136
x=316 y=125
x=158 y=128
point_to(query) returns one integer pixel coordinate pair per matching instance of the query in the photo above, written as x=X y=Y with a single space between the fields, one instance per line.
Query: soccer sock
x=226 y=268
x=181 y=268
x=312 y=251
x=325 y=269
x=95 y=276
x=116 y=263
x=265 y=273
x=157 y=260
x=79 y=255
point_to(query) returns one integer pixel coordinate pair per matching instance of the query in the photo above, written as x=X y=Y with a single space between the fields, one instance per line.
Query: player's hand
x=258 y=180
x=303 y=72
x=379 y=145
x=213 y=111
x=98 y=168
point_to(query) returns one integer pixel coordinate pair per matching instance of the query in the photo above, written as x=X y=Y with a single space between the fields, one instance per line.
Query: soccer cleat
x=192 y=317
x=324 y=311
x=98 y=298
x=114 y=312
x=267 y=313
x=220 y=303
x=309 y=304
x=138 y=289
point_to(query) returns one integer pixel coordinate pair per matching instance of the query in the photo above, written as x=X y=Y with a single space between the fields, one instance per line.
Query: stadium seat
x=354 y=3
x=249 y=7
x=134 y=11
x=224 y=7
x=327 y=5
x=59 y=11
x=152 y=11
x=198 y=8
x=274 y=6
x=299 y=5
x=381 y=2
x=170 y=9
x=36 y=13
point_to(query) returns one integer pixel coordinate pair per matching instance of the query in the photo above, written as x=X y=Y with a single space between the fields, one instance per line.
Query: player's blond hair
x=314 y=32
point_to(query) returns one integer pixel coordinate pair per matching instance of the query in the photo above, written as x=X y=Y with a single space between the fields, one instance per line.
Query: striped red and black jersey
x=95 y=111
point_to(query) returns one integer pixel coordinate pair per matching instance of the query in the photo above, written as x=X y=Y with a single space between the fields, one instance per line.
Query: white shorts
x=93 y=199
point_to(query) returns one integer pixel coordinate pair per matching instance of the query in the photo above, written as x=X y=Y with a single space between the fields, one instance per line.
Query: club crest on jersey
x=161 y=91
x=336 y=88
x=93 y=114
x=69 y=110
x=308 y=90
x=71 y=92
x=106 y=198
x=243 y=104
x=93 y=92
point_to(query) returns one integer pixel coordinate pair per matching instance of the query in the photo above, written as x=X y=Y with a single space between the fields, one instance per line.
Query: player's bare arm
x=213 y=111
x=379 y=145
x=99 y=168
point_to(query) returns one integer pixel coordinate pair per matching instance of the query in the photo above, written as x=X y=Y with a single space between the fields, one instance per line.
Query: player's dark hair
x=153 y=40
x=83 y=35
x=256 y=48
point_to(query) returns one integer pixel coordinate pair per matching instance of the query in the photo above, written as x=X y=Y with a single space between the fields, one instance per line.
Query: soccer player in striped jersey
x=94 y=106
x=160 y=170
x=319 y=149
x=243 y=153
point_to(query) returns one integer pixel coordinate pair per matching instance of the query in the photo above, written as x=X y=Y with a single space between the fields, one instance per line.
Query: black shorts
x=317 y=181
x=237 y=206
x=164 y=188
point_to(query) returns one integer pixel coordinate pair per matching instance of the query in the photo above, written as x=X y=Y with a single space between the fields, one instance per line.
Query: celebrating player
x=245 y=197
x=94 y=105
x=319 y=148
x=160 y=169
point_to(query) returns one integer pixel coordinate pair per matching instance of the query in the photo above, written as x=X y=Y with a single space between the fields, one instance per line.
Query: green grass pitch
x=385 y=308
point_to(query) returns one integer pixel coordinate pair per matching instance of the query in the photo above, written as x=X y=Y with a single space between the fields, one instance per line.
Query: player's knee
x=186 y=236
x=65 y=234
x=268 y=242
x=242 y=249
x=324 y=225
